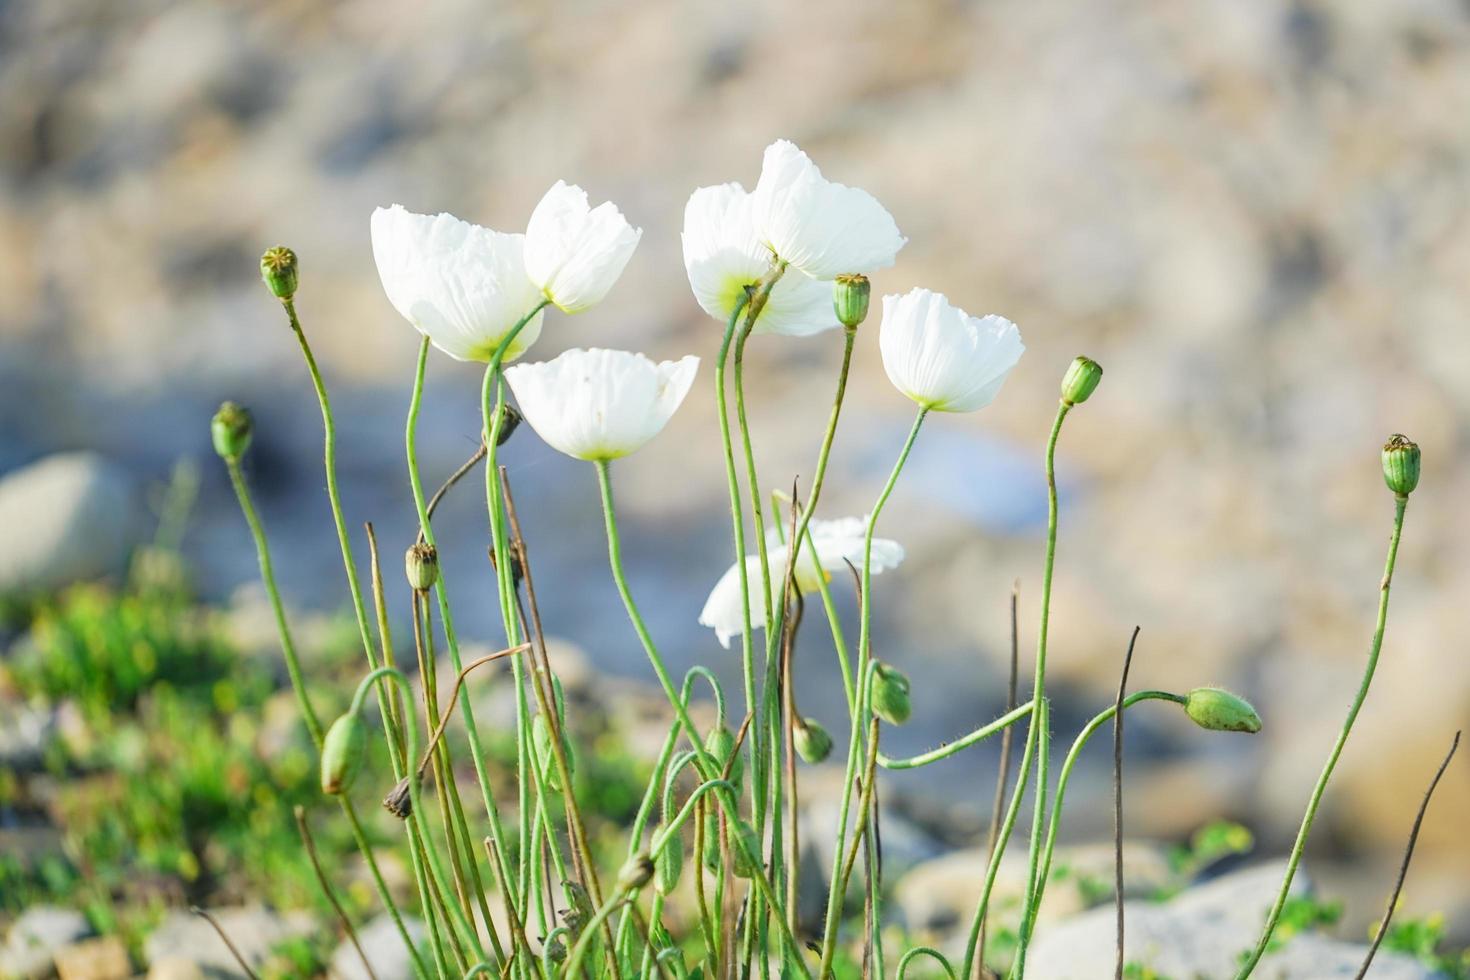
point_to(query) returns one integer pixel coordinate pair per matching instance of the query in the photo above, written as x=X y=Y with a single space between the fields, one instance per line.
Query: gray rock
x=254 y=930
x=1202 y=933
x=383 y=947
x=24 y=732
x=68 y=517
x=34 y=938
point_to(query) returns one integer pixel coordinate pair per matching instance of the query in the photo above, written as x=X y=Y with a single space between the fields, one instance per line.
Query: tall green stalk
x=1401 y=501
x=706 y=764
x=308 y=712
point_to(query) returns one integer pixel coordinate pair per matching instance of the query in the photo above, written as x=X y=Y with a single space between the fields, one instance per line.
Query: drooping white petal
x=943 y=358
x=600 y=404
x=724 y=255
x=837 y=542
x=820 y=227
x=461 y=285
x=574 y=253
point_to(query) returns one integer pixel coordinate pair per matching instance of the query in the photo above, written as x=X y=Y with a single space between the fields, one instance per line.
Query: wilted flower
x=600 y=404
x=724 y=256
x=943 y=358
x=462 y=286
x=819 y=227
x=574 y=253
x=837 y=543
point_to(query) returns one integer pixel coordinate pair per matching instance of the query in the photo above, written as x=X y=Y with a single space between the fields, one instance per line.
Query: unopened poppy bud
x=399 y=800
x=510 y=420
x=546 y=754
x=556 y=951
x=636 y=873
x=668 y=864
x=720 y=743
x=278 y=269
x=744 y=860
x=230 y=429
x=1221 y=711
x=421 y=565
x=890 y=694
x=1081 y=380
x=344 y=751
x=850 y=299
x=1401 y=465
x=812 y=741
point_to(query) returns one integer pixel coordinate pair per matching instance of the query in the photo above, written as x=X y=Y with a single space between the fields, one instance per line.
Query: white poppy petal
x=822 y=228
x=461 y=285
x=600 y=404
x=943 y=358
x=574 y=253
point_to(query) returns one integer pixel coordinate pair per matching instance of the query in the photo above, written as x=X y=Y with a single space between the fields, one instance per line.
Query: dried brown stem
x=1118 y=800
x=226 y=939
x=997 y=812
x=321 y=877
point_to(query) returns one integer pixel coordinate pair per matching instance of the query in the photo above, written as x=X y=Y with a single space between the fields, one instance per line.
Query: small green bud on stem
x=637 y=873
x=812 y=741
x=1401 y=465
x=1081 y=380
x=742 y=857
x=889 y=695
x=344 y=751
x=850 y=299
x=668 y=864
x=720 y=743
x=1221 y=711
x=231 y=429
x=278 y=269
x=421 y=565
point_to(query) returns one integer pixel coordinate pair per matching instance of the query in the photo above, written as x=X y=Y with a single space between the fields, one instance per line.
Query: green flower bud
x=720 y=743
x=231 y=429
x=1401 y=465
x=556 y=951
x=741 y=858
x=546 y=754
x=889 y=694
x=812 y=741
x=1221 y=711
x=399 y=800
x=510 y=420
x=668 y=864
x=712 y=841
x=850 y=299
x=637 y=873
x=278 y=269
x=1081 y=380
x=421 y=565
x=344 y=752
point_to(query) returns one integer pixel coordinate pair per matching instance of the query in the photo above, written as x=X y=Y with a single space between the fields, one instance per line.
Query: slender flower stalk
x=446 y=616
x=303 y=699
x=704 y=761
x=860 y=716
x=1401 y=501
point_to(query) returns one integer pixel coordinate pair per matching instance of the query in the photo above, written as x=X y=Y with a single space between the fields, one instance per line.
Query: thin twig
x=233 y=951
x=1118 y=799
x=454 y=696
x=518 y=927
x=1398 y=886
x=1006 y=738
x=454 y=478
x=321 y=877
x=792 y=597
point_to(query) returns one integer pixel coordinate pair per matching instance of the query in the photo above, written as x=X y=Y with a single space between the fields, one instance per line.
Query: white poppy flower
x=460 y=285
x=574 y=253
x=943 y=358
x=724 y=255
x=837 y=543
x=822 y=228
x=600 y=404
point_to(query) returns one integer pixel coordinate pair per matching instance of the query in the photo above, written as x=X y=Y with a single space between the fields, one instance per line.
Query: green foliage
x=1422 y=939
x=1211 y=843
x=1138 y=971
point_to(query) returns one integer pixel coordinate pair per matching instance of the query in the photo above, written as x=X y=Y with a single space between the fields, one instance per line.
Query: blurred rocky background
x=1254 y=215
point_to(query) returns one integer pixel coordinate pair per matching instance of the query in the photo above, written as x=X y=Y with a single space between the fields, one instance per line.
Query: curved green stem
x=1400 y=503
x=1039 y=735
x=441 y=592
x=929 y=951
x=303 y=699
x=707 y=766
x=958 y=745
x=1028 y=924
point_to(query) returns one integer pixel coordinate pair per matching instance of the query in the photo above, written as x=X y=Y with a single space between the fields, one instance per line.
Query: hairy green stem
x=960 y=744
x=1400 y=503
